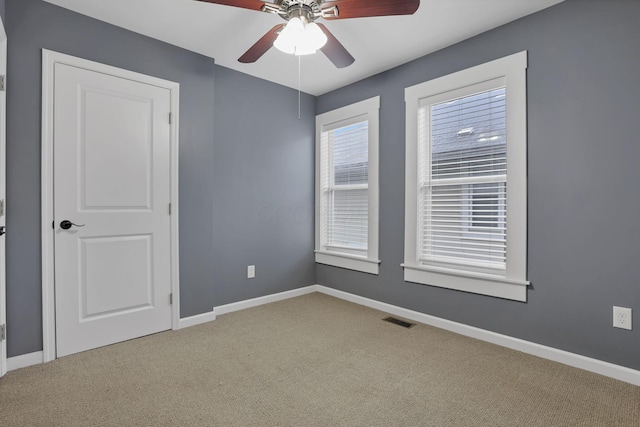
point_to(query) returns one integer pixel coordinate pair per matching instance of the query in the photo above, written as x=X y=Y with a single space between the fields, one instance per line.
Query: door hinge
x=3 y=332
x=169 y=208
x=170 y=118
x=171 y=298
x=2 y=207
x=3 y=83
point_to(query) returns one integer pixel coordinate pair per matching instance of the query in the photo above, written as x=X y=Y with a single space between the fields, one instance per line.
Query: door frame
x=3 y=184
x=49 y=59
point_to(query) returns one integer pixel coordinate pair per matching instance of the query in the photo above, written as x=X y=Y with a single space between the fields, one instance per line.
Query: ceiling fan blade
x=335 y=51
x=261 y=46
x=366 y=8
x=245 y=4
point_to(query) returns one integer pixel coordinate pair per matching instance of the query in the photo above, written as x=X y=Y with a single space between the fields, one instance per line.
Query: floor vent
x=399 y=322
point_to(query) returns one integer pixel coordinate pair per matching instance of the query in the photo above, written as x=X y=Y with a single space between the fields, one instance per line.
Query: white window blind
x=466 y=180
x=462 y=172
x=346 y=211
x=345 y=187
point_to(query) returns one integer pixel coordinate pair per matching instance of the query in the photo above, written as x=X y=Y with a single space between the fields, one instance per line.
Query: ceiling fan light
x=293 y=30
x=285 y=45
x=315 y=36
x=312 y=40
x=300 y=39
x=290 y=34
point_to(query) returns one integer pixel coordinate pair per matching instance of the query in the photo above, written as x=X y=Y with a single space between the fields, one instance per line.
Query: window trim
x=363 y=110
x=513 y=284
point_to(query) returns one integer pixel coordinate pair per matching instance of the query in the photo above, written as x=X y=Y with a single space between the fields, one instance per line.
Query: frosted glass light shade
x=299 y=38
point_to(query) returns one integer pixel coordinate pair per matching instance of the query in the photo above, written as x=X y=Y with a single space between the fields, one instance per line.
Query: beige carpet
x=311 y=361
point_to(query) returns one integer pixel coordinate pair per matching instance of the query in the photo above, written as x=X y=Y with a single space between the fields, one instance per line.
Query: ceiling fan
x=300 y=16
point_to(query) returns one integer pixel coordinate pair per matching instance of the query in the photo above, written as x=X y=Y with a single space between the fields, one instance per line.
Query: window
x=465 y=219
x=347 y=187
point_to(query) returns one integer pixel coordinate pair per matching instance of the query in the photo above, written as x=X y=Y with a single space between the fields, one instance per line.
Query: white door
x=3 y=113
x=112 y=181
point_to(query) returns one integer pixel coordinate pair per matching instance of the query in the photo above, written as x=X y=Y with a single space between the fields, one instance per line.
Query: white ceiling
x=377 y=44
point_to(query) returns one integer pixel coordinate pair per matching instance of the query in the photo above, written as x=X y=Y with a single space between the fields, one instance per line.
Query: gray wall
x=33 y=25
x=263 y=184
x=583 y=175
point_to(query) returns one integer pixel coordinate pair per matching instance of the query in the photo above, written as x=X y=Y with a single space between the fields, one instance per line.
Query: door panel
x=117 y=160
x=108 y=291
x=112 y=180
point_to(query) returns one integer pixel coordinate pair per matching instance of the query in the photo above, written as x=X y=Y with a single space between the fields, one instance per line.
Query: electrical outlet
x=251 y=271
x=622 y=318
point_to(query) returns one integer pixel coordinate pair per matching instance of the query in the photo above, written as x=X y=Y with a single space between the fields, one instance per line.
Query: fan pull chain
x=299 y=85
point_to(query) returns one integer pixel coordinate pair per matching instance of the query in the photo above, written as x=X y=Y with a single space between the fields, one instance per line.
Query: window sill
x=478 y=283
x=350 y=262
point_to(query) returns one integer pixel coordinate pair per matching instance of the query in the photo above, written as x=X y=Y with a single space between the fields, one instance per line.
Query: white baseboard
x=25 y=360
x=197 y=319
x=241 y=305
x=588 y=364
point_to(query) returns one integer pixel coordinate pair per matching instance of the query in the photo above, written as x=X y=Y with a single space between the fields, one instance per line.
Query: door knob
x=66 y=224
